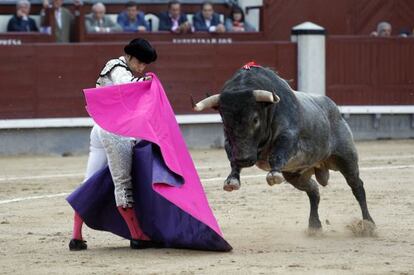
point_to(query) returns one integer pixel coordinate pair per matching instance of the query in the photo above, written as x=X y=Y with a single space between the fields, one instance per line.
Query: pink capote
x=142 y=110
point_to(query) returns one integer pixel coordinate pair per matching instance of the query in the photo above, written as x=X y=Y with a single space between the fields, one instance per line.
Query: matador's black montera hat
x=142 y=50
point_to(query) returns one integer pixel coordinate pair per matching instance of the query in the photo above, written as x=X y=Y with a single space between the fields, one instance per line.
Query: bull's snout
x=245 y=162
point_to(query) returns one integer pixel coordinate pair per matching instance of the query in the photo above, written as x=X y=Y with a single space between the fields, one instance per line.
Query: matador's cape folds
x=169 y=199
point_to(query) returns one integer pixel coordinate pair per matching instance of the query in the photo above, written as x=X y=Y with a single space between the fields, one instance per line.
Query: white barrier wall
x=311 y=57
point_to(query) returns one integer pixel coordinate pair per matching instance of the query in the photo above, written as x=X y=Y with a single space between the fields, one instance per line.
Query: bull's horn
x=209 y=102
x=265 y=96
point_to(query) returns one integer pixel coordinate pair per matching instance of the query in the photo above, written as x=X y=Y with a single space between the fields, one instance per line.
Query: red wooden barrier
x=370 y=71
x=46 y=80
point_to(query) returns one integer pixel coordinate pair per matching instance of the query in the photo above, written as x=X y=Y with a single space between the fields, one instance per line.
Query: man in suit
x=207 y=20
x=173 y=20
x=21 y=22
x=99 y=22
x=63 y=19
x=132 y=19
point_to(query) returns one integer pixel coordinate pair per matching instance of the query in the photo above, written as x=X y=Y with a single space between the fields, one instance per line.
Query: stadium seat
x=154 y=21
x=112 y=17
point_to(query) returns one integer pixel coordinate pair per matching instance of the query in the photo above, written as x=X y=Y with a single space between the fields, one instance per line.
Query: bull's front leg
x=233 y=180
x=279 y=157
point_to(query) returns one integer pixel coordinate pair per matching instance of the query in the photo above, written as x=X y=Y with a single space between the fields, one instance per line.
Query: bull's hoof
x=315 y=232
x=231 y=184
x=315 y=227
x=315 y=224
x=273 y=178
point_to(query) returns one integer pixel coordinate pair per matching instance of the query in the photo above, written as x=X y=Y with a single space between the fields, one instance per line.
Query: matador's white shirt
x=116 y=71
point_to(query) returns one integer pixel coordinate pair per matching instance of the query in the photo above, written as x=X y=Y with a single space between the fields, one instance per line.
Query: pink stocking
x=77 y=227
x=129 y=217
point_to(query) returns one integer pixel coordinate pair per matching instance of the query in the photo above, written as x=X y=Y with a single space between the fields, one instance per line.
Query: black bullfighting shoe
x=141 y=244
x=76 y=245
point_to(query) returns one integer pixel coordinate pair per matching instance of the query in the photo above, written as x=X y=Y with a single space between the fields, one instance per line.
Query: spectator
x=21 y=22
x=173 y=20
x=132 y=20
x=63 y=19
x=97 y=21
x=384 y=29
x=236 y=22
x=405 y=32
x=207 y=20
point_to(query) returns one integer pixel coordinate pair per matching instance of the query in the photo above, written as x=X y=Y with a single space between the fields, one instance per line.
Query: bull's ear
x=265 y=96
x=276 y=98
x=209 y=102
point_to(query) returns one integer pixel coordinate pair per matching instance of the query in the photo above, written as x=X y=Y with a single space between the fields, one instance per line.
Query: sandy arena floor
x=265 y=225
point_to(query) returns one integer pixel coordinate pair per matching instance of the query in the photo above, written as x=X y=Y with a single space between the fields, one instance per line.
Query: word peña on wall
x=10 y=42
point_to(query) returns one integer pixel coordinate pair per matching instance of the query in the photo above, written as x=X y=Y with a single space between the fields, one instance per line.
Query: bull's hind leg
x=348 y=166
x=304 y=182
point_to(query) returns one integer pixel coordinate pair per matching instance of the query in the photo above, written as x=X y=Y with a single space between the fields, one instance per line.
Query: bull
x=292 y=135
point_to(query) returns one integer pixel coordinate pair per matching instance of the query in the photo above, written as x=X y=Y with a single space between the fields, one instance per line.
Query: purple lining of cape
x=159 y=218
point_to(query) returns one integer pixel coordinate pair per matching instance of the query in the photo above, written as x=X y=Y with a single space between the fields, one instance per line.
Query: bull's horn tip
x=197 y=108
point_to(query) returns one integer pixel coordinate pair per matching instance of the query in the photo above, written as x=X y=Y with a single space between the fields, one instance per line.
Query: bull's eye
x=256 y=121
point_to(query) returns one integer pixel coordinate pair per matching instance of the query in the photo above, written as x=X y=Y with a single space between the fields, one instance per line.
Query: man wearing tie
x=63 y=19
